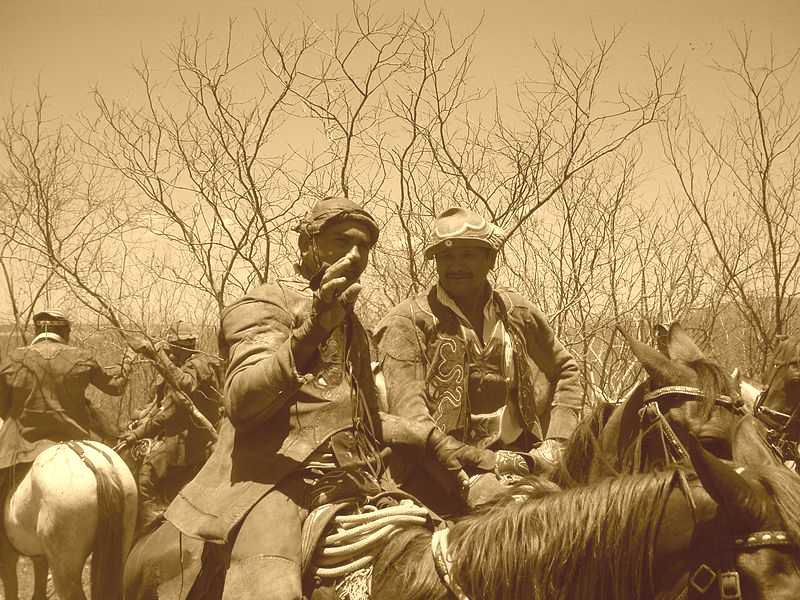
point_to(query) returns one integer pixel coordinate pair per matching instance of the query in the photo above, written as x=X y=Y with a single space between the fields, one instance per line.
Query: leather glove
x=336 y=290
x=454 y=455
x=129 y=437
x=547 y=456
x=140 y=343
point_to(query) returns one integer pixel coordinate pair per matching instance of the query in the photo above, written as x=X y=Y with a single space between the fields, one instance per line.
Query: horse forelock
x=583 y=542
x=714 y=382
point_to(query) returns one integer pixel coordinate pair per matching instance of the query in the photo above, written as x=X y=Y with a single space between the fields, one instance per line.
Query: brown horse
x=685 y=389
x=637 y=536
x=777 y=407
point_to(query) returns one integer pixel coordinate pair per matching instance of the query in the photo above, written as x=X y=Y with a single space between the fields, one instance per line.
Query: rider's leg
x=149 y=505
x=265 y=558
x=151 y=476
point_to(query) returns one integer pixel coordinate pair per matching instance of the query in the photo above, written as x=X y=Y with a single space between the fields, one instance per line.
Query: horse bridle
x=674 y=449
x=723 y=568
x=778 y=422
x=700 y=585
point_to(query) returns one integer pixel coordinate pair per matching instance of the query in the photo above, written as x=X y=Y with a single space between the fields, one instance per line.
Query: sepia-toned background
x=643 y=157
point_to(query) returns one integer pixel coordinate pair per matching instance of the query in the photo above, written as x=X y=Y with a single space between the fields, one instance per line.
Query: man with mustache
x=479 y=364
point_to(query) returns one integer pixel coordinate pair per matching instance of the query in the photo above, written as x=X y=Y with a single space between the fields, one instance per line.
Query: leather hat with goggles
x=182 y=335
x=462 y=226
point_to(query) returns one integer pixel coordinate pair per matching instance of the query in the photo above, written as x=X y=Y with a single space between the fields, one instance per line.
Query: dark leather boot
x=151 y=510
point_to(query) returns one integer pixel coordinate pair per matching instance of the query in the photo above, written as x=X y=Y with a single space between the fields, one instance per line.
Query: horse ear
x=682 y=347
x=660 y=368
x=744 y=504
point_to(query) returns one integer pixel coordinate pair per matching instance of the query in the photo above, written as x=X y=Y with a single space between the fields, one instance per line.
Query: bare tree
x=63 y=216
x=741 y=180
x=213 y=188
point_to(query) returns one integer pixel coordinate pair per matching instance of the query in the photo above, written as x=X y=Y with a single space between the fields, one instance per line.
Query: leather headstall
x=719 y=566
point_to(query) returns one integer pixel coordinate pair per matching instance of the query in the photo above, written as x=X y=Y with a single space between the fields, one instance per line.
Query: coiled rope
x=356 y=538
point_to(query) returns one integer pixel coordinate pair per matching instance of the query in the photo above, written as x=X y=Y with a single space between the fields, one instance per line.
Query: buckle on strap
x=730 y=586
x=703 y=578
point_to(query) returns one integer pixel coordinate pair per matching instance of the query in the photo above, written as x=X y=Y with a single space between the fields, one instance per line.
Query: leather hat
x=51 y=317
x=331 y=210
x=458 y=224
x=180 y=334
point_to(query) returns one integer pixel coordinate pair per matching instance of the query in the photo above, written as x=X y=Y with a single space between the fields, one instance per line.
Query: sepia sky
x=72 y=45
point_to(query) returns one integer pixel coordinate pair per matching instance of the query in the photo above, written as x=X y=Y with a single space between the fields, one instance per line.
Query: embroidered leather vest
x=448 y=374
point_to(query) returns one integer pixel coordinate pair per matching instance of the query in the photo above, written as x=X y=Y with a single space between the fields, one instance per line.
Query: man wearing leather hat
x=300 y=403
x=482 y=364
x=180 y=446
x=42 y=394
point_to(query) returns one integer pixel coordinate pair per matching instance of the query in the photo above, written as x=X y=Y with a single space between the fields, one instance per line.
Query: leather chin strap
x=778 y=426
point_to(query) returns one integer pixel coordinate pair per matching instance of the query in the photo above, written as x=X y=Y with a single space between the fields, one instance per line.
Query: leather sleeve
x=403 y=362
x=158 y=421
x=261 y=375
x=561 y=370
x=185 y=376
x=110 y=380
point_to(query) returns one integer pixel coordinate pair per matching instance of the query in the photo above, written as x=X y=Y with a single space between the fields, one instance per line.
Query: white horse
x=749 y=390
x=77 y=498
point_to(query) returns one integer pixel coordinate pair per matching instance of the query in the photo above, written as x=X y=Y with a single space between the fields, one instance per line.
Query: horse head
x=751 y=548
x=778 y=407
x=683 y=387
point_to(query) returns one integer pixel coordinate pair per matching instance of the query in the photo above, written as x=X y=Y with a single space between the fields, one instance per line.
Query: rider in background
x=180 y=446
x=482 y=364
x=42 y=394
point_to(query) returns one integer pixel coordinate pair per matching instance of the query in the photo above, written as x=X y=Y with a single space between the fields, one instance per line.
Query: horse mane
x=583 y=447
x=783 y=486
x=549 y=548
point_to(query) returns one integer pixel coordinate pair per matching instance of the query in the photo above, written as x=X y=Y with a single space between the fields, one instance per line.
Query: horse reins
x=444 y=562
x=77 y=449
x=778 y=422
x=723 y=568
